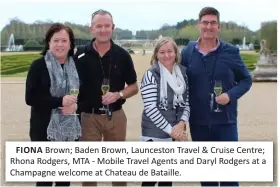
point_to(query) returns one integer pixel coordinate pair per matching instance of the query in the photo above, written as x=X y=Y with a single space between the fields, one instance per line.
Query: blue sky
x=135 y=14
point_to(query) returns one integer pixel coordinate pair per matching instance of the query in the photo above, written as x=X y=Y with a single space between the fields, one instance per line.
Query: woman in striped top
x=164 y=90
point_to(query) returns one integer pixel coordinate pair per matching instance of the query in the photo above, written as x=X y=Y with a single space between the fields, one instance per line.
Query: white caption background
x=191 y=165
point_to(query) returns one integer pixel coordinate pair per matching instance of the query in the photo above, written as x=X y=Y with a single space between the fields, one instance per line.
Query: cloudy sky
x=138 y=14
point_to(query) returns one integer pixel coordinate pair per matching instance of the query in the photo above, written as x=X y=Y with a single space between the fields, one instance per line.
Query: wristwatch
x=121 y=94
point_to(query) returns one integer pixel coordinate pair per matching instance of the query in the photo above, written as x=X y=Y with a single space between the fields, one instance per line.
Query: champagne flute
x=105 y=87
x=74 y=92
x=218 y=89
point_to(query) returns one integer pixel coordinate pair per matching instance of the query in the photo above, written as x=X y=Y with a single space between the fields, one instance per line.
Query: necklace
x=101 y=64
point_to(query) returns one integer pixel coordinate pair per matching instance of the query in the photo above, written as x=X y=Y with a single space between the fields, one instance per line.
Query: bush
x=182 y=41
x=33 y=45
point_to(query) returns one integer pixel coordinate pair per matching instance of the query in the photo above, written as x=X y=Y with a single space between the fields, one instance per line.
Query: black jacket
x=37 y=95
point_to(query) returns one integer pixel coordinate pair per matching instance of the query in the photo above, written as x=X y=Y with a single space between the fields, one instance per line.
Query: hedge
x=12 y=64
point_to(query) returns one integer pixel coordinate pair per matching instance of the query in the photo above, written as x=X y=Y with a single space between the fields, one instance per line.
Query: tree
x=141 y=34
x=183 y=29
x=236 y=41
x=165 y=27
x=4 y=38
x=189 y=32
x=31 y=45
x=269 y=33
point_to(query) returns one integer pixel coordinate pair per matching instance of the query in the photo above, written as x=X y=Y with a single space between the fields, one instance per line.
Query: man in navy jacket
x=209 y=60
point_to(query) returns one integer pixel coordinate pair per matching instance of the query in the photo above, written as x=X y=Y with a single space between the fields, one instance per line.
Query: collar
x=213 y=49
x=155 y=67
x=91 y=48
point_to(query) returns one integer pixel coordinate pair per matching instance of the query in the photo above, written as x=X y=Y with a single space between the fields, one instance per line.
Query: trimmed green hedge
x=15 y=70
x=13 y=64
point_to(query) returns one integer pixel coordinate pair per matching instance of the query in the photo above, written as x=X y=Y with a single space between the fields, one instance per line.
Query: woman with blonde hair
x=164 y=90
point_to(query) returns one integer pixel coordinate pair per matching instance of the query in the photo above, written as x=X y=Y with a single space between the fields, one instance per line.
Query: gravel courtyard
x=257 y=117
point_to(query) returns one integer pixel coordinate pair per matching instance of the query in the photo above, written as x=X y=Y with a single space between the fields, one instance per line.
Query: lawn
x=17 y=65
x=250 y=60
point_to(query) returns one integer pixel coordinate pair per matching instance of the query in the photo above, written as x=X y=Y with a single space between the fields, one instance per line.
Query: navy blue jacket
x=223 y=64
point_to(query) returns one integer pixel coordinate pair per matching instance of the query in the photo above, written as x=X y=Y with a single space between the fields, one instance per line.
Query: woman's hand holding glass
x=69 y=103
x=68 y=100
x=69 y=110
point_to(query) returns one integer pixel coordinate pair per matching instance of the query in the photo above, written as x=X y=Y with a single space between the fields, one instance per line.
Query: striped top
x=149 y=94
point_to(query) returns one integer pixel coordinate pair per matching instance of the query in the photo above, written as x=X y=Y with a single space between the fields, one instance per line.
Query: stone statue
x=265 y=55
x=264 y=51
x=266 y=67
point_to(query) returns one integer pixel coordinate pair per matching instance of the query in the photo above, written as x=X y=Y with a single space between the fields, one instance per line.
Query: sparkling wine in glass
x=105 y=87
x=74 y=92
x=218 y=89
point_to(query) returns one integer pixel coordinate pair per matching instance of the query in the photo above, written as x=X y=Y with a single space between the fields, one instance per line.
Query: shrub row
x=12 y=64
x=20 y=63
